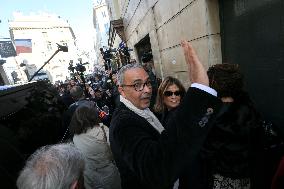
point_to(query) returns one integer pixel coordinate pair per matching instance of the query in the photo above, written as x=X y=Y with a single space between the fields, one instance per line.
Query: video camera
x=107 y=53
x=79 y=67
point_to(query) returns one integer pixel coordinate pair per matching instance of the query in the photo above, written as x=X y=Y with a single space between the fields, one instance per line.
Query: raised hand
x=196 y=70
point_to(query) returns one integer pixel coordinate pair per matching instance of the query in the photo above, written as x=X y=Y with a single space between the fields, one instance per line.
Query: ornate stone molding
x=116 y=26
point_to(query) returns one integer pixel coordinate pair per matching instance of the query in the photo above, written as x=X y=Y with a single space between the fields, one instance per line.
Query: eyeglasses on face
x=170 y=93
x=139 y=86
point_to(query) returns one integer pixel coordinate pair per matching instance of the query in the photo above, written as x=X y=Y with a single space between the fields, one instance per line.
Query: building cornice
x=116 y=26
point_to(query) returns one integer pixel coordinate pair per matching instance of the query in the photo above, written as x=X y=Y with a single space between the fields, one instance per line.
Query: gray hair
x=120 y=75
x=52 y=167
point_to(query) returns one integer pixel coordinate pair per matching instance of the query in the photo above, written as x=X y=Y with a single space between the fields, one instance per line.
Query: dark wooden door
x=252 y=34
x=143 y=46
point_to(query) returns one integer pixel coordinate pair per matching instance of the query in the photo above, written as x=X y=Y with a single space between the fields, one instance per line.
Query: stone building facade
x=101 y=22
x=159 y=26
x=44 y=32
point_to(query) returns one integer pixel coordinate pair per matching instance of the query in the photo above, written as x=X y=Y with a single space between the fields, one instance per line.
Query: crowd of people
x=115 y=135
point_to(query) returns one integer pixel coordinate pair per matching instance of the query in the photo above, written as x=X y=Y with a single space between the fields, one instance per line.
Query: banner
x=7 y=49
x=23 y=45
x=122 y=45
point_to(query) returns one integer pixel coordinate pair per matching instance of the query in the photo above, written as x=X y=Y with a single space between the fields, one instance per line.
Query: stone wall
x=167 y=22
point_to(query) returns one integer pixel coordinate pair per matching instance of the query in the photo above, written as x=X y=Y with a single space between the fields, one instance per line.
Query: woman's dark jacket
x=233 y=148
x=166 y=116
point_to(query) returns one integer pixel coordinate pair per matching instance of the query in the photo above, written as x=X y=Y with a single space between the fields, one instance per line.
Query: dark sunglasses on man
x=170 y=93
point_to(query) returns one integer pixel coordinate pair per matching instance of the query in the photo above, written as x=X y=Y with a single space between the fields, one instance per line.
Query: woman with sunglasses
x=169 y=96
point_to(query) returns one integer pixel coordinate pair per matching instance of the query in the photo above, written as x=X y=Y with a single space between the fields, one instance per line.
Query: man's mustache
x=146 y=96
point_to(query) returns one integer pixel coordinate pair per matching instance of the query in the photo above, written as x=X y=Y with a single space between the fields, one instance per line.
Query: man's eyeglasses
x=170 y=93
x=139 y=86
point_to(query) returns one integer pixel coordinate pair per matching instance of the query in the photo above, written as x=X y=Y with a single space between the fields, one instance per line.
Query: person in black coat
x=78 y=95
x=233 y=152
x=169 y=95
x=147 y=155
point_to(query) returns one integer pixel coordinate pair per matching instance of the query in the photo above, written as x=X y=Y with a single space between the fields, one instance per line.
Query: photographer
x=80 y=69
x=78 y=96
x=114 y=90
x=104 y=105
x=111 y=89
x=107 y=58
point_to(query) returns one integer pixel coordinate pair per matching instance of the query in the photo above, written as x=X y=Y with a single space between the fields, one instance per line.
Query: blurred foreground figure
x=58 y=166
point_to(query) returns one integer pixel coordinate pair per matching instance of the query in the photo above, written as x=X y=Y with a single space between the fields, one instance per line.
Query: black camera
x=79 y=67
x=107 y=54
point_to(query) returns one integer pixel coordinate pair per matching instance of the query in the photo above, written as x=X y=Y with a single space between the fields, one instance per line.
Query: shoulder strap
x=65 y=134
x=105 y=137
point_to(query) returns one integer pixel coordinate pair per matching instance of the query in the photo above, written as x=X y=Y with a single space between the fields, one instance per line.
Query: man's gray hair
x=52 y=167
x=120 y=75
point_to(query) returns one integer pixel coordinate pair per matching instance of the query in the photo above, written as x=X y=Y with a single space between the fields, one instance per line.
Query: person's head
x=69 y=87
x=226 y=79
x=77 y=93
x=135 y=85
x=108 y=72
x=97 y=78
x=62 y=88
x=72 y=82
x=170 y=93
x=58 y=166
x=114 y=78
x=85 y=117
x=98 y=92
x=91 y=92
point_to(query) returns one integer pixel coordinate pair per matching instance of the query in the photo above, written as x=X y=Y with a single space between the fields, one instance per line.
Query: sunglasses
x=170 y=93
